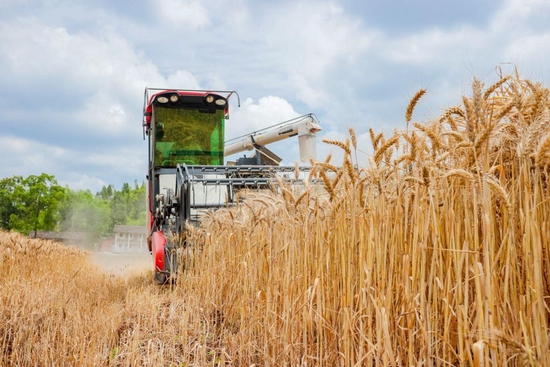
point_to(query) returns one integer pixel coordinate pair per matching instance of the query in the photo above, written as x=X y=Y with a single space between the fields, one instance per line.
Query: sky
x=73 y=73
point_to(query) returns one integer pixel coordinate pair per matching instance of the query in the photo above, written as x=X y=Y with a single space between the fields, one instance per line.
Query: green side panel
x=188 y=136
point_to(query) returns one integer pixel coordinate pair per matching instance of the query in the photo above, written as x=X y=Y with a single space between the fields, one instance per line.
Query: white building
x=130 y=239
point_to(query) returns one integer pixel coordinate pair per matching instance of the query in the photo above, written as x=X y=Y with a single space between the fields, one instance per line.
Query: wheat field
x=436 y=254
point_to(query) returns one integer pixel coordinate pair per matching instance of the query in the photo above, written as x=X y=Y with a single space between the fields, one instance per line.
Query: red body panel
x=151 y=222
x=158 y=244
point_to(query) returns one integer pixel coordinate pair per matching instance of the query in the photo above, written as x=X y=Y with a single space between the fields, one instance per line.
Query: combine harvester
x=186 y=175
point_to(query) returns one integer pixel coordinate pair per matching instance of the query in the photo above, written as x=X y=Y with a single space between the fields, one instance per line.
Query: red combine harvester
x=186 y=175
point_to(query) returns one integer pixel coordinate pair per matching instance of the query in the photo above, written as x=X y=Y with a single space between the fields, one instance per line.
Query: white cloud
x=530 y=47
x=83 y=86
x=56 y=60
x=26 y=157
x=431 y=47
x=518 y=15
x=184 y=13
x=182 y=79
x=105 y=114
x=252 y=116
x=315 y=40
x=77 y=181
x=522 y=27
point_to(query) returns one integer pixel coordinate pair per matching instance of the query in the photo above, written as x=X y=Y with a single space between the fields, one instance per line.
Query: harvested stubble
x=56 y=309
x=436 y=254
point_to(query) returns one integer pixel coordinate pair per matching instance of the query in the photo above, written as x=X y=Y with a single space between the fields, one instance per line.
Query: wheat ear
x=494 y=87
x=499 y=190
x=412 y=104
x=542 y=149
x=460 y=173
x=353 y=137
x=380 y=152
x=338 y=143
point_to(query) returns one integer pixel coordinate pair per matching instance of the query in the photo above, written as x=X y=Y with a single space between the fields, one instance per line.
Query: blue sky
x=73 y=72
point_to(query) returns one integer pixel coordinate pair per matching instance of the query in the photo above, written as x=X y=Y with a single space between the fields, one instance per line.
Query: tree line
x=38 y=203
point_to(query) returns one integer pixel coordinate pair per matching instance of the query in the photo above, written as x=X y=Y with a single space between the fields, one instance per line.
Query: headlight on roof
x=162 y=99
x=221 y=102
x=174 y=98
x=209 y=98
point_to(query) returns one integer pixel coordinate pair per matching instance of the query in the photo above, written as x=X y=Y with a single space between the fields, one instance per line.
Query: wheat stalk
x=470 y=118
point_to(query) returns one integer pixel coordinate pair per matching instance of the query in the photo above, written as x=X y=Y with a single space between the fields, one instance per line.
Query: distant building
x=130 y=239
x=107 y=244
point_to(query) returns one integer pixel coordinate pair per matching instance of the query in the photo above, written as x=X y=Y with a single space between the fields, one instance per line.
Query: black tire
x=171 y=262
x=161 y=278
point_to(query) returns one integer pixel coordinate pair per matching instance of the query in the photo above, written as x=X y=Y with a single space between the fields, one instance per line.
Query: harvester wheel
x=170 y=266
x=161 y=278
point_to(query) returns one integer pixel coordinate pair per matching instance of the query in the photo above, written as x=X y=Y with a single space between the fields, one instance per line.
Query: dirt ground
x=122 y=264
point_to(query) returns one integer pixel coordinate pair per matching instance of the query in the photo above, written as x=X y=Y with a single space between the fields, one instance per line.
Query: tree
x=128 y=205
x=7 y=204
x=106 y=192
x=37 y=203
x=31 y=203
x=138 y=211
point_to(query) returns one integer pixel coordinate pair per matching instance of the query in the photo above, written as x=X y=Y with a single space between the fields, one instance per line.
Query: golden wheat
x=431 y=260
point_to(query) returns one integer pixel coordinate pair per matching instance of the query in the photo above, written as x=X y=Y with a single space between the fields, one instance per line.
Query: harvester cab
x=186 y=174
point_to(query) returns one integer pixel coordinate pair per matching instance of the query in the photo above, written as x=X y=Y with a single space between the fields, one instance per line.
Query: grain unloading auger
x=186 y=175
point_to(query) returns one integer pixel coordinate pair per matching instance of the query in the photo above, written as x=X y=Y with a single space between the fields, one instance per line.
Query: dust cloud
x=122 y=264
